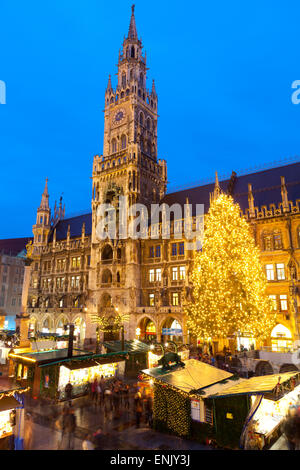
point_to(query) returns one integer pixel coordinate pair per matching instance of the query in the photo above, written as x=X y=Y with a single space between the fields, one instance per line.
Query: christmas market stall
x=201 y=402
x=178 y=389
x=11 y=414
x=48 y=372
x=252 y=410
x=136 y=357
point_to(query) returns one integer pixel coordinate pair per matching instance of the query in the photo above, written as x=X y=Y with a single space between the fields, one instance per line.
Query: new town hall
x=74 y=273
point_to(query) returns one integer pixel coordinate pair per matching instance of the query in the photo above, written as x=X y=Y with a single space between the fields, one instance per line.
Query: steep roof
x=75 y=227
x=13 y=246
x=266 y=188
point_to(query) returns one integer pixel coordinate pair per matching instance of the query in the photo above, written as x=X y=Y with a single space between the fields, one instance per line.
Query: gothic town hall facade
x=75 y=274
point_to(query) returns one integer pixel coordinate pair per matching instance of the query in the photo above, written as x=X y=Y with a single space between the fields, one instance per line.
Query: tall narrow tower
x=128 y=167
x=42 y=227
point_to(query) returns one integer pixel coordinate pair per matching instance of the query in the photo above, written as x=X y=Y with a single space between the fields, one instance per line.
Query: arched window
x=141 y=119
x=118 y=277
x=149 y=124
x=106 y=277
x=114 y=146
x=132 y=51
x=123 y=80
x=139 y=93
x=122 y=94
x=149 y=147
x=123 y=141
x=112 y=99
x=141 y=79
x=107 y=253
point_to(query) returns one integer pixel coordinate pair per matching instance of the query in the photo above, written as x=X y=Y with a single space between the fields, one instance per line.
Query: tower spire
x=132 y=33
x=217 y=189
x=45 y=197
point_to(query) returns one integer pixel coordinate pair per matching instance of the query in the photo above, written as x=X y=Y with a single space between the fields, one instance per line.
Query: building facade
x=11 y=279
x=76 y=273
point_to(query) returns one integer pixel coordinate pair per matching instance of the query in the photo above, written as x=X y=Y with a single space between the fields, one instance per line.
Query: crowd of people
x=111 y=398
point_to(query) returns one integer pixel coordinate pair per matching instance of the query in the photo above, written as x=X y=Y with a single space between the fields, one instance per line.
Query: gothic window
x=122 y=94
x=117 y=97
x=149 y=147
x=141 y=79
x=127 y=92
x=123 y=80
x=107 y=253
x=114 y=146
x=119 y=161
x=132 y=51
x=149 y=124
x=123 y=141
x=106 y=277
x=112 y=99
x=139 y=93
x=267 y=242
x=118 y=277
x=277 y=241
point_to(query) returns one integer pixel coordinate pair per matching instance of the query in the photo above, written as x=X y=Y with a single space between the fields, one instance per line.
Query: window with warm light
x=270 y=272
x=175 y=274
x=151 y=275
x=158 y=275
x=283 y=302
x=182 y=273
x=175 y=298
x=280 y=271
x=151 y=300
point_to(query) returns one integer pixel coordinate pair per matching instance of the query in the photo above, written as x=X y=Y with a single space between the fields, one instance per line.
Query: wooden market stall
x=48 y=372
x=201 y=402
x=11 y=414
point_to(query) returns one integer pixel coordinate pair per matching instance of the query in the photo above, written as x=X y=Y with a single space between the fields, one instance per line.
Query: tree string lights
x=229 y=284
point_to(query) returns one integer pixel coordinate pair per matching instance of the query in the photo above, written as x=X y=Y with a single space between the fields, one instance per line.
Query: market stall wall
x=48 y=381
x=229 y=417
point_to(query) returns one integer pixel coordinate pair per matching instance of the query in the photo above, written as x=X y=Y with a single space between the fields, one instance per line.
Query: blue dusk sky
x=223 y=73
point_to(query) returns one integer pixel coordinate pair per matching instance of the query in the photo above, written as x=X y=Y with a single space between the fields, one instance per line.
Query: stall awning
x=262 y=384
x=9 y=403
x=90 y=363
x=196 y=375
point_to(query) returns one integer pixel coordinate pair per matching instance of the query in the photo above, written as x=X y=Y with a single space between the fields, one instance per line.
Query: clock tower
x=128 y=167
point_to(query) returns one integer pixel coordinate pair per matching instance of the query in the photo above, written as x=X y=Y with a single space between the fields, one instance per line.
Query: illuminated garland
x=229 y=284
x=12 y=393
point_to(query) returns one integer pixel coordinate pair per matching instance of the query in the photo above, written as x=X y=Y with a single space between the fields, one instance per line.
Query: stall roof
x=255 y=385
x=196 y=375
x=9 y=403
x=132 y=346
x=48 y=356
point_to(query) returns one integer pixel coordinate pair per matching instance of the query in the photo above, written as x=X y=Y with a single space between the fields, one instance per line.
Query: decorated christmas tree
x=229 y=284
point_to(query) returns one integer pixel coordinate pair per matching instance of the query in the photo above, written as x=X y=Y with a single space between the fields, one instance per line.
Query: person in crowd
x=98 y=439
x=149 y=410
x=98 y=394
x=289 y=428
x=94 y=390
x=70 y=427
x=138 y=408
x=87 y=444
x=69 y=391
x=28 y=432
x=107 y=400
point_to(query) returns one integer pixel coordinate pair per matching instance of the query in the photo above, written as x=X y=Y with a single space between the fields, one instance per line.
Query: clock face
x=119 y=116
